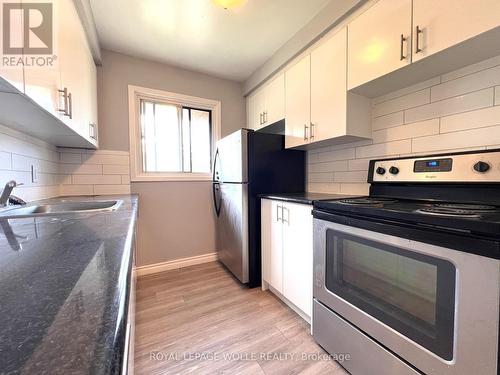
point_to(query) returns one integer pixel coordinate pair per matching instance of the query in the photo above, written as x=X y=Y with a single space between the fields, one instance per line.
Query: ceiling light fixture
x=226 y=4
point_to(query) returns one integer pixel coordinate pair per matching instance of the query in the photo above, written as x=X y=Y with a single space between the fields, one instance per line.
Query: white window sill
x=184 y=177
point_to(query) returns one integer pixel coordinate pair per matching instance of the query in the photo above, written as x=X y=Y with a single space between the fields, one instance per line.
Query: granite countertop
x=304 y=197
x=63 y=290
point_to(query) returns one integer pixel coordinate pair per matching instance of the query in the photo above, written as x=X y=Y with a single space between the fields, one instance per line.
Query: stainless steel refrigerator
x=247 y=164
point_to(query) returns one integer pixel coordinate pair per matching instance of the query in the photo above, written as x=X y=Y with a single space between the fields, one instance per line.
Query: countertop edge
x=303 y=197
x=126 y=269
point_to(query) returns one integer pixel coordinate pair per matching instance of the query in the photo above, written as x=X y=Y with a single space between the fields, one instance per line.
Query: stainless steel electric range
x=406 y=280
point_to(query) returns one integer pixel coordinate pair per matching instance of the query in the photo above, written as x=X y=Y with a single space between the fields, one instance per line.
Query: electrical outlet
x=34 y=173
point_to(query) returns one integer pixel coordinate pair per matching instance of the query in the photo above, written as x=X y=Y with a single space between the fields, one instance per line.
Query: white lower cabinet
x=272 y=243
x=287 y=252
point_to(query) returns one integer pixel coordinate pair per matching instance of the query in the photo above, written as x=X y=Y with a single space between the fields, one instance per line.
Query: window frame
x=135 y=95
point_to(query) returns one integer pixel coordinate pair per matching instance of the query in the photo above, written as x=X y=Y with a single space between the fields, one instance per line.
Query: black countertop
x=63 y=290
x=304 y=197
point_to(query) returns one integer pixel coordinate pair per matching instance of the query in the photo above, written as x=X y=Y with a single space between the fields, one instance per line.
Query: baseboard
x=175 y=264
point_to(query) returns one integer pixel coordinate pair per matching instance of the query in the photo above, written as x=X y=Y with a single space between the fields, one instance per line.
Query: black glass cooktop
x=472 y=217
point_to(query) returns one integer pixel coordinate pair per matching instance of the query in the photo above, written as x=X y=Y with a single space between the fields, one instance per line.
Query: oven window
x=411 y=292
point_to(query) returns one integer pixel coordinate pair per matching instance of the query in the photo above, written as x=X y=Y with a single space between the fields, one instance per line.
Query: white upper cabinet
x=67 y=90
x=445 y=23
x=274 y=100
x=379 y=41
x=298 y=103
x=397 y=43
x=318 y=108
x=91 y=100
x=13 y=75
x=267 y=104
x=42 y=86
x=328 y=88
x=72 y=60
x=255 y=109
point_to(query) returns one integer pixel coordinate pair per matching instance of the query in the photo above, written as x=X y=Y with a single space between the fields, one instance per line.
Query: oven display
x=433 y=165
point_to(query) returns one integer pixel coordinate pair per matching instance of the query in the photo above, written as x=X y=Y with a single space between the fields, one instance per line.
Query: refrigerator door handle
x=215 y=190
x=215 y=174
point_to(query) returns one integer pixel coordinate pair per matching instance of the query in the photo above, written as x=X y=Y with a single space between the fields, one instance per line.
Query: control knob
x=393 y=170
x=380 y=170
x=481 y=167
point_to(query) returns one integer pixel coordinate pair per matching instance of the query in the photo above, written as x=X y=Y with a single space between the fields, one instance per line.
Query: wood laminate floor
x=200 y=320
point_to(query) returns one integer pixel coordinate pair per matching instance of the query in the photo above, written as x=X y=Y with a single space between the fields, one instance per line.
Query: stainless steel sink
x=61 y=209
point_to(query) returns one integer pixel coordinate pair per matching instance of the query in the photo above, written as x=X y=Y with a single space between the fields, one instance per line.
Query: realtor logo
x=27 y=29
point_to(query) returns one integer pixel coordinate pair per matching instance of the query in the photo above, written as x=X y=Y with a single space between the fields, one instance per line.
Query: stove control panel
x=481 y=166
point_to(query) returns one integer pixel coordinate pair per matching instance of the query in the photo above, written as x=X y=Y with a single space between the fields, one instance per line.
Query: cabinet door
x=13 y=75
x=329 y=88
x=445 y=23
x=298 y=103
x=375 y=41
x=298 y=255
x=255 y=109
x=275 y=100
x=89 y=97
x=42 y=83
x=272 y=243
x=72 y=43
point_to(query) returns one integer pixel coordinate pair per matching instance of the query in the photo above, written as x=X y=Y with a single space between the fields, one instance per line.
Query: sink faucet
x=7 y=190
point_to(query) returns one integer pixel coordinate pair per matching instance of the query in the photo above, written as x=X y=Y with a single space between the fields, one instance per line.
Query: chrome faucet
x=7 y=190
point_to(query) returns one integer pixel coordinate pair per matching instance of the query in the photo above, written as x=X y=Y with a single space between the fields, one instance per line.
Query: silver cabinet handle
x=70 y=104
x=313 y=127
x=260 y=118
x=278 y=213
x=417 y=39
x=287 y=215
x=65 y=96
x=92 y=132
x=265 y=117
x=401 y=54
x=305 y=132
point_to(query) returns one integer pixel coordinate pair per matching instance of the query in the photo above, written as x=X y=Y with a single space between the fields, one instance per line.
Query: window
x=175 y=138
x=172 y=136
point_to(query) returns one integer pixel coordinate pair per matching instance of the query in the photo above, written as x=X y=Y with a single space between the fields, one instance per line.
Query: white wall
x=456 y=111
x=118 y=71
x=176 y=219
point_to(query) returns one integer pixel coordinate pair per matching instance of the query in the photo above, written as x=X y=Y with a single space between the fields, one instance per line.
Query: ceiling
x=199 y=35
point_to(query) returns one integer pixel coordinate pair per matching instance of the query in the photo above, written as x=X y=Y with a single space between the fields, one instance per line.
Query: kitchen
x=218 y=190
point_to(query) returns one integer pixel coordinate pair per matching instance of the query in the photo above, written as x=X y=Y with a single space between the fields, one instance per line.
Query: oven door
x=434 y=307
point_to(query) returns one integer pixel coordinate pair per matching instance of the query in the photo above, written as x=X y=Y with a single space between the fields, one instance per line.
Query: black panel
x=271 y=169
x=465 y=242
x=477 y=193
x=433 y=165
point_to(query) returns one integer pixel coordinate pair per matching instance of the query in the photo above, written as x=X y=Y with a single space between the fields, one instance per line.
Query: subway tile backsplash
x=94 y=172
x=60 y=171
x=457 y=111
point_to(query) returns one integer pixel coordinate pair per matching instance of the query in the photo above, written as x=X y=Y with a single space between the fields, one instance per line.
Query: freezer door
x=232 y=229
x=231 y=161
